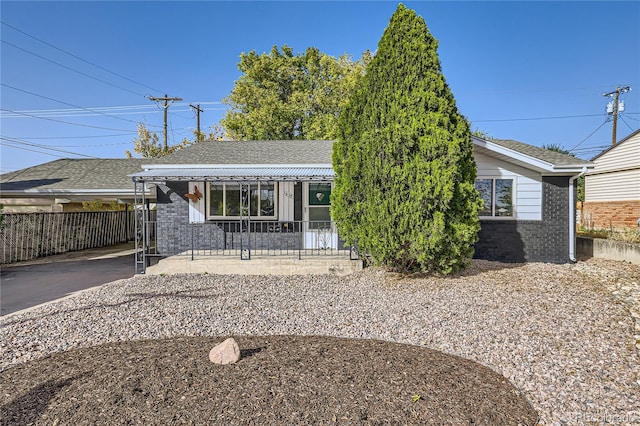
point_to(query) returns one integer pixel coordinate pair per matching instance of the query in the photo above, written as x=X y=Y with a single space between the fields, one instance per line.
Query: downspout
x=572 y=216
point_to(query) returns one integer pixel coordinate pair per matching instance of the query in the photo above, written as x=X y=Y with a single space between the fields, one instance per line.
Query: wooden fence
x=26 y=236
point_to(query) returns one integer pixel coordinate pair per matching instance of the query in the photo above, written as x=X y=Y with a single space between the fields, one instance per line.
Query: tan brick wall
x=606 y=214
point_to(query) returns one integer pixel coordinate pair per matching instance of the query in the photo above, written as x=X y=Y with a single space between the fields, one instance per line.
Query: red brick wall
x=606 y=214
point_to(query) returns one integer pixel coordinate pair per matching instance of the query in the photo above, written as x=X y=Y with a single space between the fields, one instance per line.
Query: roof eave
x=573 y=168
x=233 y=166
x=533 y=162
x=524 y=158
x=21 y=193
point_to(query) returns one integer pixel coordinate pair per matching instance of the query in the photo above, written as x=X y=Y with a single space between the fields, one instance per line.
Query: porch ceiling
x=237 y=174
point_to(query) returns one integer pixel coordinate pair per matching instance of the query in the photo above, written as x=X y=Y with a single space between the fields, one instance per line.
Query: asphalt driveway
x=29 y=284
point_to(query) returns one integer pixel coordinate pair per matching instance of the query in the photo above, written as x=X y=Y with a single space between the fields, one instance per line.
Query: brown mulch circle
x=278 y=380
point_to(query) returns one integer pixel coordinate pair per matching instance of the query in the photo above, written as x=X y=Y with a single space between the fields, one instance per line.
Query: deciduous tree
x=282 y=95
x=148 y=144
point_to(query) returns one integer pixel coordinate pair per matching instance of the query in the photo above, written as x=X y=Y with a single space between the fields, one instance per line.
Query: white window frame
x=493 y=197
x=224 y=201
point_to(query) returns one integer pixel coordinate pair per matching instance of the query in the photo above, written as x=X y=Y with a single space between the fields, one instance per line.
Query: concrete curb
x=608 y=249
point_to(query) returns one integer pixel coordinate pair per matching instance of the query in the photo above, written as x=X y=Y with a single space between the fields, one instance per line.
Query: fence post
x=301 y=241
x=41 y=236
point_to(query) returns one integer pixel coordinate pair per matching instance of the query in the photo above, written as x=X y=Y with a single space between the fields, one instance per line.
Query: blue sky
x=513 y=67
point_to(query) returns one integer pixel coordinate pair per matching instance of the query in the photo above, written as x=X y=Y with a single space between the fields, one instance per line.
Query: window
x=224 y=200
x=497 y=195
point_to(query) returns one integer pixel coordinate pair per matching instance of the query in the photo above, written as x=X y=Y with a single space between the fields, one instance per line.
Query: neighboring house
x=612 y=188
x=62 y=185
x=219 y=195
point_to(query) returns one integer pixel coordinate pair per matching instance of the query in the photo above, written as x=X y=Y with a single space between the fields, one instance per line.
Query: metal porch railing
x=242 y=239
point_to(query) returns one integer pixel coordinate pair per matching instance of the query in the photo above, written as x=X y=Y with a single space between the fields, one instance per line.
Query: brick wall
x=174 y=232
x=545 y=240
x=176 y=235
x=608 y=214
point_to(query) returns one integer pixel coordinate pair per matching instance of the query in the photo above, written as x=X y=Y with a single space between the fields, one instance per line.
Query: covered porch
x=215 y=218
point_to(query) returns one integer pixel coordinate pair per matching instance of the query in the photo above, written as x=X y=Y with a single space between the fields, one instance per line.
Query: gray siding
x=545 y=240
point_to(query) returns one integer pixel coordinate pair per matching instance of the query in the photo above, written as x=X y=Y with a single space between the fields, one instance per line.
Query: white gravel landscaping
x=562 y=334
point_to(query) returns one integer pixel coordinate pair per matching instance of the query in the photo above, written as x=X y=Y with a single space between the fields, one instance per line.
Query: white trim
x=197 y=209
x=68 y=191
x=499 y=149
x=72 y=193
x=224 y=202
x=514 y=197
x=527 y=159
x=236 y=166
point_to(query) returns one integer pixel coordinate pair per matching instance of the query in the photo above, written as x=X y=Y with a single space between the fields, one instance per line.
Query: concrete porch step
x=261 y=265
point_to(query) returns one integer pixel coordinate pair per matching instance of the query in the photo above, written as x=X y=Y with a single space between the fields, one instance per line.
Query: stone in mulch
x=227 y=352
x=278 y=380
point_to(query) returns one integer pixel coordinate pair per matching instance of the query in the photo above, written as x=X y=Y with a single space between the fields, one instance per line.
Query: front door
x=320 y=232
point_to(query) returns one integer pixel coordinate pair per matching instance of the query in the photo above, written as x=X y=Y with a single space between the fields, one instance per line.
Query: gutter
x=572 y=216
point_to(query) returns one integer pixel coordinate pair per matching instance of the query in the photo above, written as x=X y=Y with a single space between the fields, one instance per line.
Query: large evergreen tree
x=404 y=162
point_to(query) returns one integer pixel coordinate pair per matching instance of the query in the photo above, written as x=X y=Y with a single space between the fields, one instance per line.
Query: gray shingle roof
x=555 y=158
x=253 y=152
x=114 y=174
x=66 y=174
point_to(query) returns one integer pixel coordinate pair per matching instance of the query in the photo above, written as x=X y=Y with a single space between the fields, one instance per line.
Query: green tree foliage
x=100 y=206
x=282 y=95
x=404 y=164
x=557 y=148
x=482 y=135
x=148 y=144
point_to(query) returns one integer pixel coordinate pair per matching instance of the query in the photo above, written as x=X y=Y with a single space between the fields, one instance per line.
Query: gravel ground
x=562 y=334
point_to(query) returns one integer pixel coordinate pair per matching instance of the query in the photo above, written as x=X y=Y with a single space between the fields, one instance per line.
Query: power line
x=31 y=150
x=65 y=122
x=72 y=146
x=70 y=69
x=591 y=148
x=76 y=137
x=68 y=104
x=536 y=118
x=81 y=59
x=21 y=142
x=625 y=122
x=103 y=108
x=590 y=134
x=76 y=113
x=127 y=109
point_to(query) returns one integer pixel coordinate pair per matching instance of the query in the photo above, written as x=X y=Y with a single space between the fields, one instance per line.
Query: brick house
x=612 y=188
x=268 y=196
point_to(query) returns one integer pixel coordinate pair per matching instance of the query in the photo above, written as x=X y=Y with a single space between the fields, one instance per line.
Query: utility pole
x=615 y=110
x=166 y=101
x=198 y=111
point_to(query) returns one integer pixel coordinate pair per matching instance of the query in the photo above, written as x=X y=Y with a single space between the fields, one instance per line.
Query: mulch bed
x=279 y=380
